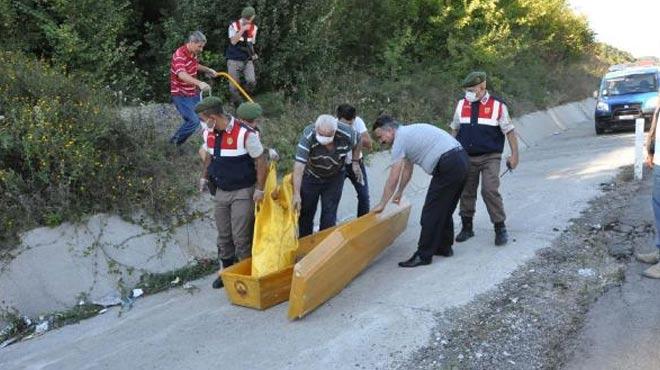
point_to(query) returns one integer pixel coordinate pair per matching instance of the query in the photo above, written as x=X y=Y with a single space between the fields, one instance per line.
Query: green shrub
x=65 y=152
x=92 y=38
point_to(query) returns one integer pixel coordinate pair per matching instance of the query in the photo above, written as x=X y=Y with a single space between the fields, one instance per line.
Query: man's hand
x=272 y=154
x=204 y=86
x=211 y=73
x=255 y=56
x=397 y=197
x=358 y=172
x=202 y=185
x=649 y=160
x=512 y=162
x=296 y=202
x=380 y=207
x=258 y=196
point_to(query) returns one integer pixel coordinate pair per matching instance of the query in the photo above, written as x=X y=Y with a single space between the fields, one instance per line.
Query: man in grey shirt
x=442 y=157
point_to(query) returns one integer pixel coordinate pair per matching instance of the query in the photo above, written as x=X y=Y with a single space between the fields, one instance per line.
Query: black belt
x=450 y=152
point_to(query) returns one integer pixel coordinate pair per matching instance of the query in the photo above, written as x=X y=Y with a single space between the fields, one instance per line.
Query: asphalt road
x=384 y=315
x=623 y=327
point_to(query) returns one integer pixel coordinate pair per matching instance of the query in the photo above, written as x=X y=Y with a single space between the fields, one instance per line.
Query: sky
x=630 y=25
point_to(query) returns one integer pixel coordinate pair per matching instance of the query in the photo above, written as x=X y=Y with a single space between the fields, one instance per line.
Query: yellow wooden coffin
x=245 y=290
x=341 y=256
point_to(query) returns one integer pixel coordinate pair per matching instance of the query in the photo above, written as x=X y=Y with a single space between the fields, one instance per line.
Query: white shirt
x=656 y=156
x=360 y=128
x=252 y=143
x=504 y=121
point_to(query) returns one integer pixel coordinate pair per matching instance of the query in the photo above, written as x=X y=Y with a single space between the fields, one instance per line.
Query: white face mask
x=471 y=96
x=210 y=125
x=324 y=140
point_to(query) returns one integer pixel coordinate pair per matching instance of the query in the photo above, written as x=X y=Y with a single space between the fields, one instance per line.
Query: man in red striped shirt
x=184 y=84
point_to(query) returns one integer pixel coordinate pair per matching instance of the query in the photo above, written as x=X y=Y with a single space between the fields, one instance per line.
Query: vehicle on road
x=625 y=94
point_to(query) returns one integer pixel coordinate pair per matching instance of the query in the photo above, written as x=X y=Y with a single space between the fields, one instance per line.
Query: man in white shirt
x=653 y=161
x=346 y=114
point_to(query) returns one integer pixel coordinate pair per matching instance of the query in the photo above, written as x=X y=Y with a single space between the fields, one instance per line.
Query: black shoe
x=464 y=235
x=226 y=262
x=466 y=231
x=445 y=253
x=217 y=283
x=501 y=235
x=415 y=260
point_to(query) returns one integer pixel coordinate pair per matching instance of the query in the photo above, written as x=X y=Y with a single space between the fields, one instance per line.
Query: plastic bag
x=275 y=228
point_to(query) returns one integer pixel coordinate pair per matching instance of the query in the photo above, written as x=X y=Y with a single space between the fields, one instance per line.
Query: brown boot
x=652 y=257
x=652 y=272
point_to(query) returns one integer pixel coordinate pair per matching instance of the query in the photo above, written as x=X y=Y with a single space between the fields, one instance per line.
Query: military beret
x=248 y=12
x=474 y=78
x=249 y=111
x=210 y=103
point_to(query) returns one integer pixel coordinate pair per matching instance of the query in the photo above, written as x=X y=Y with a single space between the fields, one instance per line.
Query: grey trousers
x=234 y=219
x=236 y=68
x=487 y=167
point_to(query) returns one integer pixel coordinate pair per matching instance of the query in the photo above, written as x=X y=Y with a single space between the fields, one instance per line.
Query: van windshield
x=631 y=84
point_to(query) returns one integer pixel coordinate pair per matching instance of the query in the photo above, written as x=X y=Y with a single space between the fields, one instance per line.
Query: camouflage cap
x=248 y=12
x=474 y=78
x=211 y=103
x=249 y=111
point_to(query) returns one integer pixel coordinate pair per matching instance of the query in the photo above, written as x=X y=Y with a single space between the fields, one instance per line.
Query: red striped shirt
x=183 y=61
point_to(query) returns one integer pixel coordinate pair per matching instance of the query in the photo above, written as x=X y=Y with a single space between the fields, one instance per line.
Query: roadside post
x=639 y=148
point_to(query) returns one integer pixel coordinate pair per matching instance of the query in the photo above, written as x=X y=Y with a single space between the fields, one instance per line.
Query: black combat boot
x=501 y=236
x=217 y=283
x=466 y=231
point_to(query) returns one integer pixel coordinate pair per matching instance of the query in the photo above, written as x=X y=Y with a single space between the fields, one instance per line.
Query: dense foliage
x=126 y=46
x=64 y=151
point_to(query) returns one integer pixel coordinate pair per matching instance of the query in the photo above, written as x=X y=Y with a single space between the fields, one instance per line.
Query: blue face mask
x=471 y=96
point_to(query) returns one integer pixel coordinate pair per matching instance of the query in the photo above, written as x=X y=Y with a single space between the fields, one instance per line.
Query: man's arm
x=513 y=144
x=262 y=171
x=257 y=152
x=205 y=166
x=301 y=159
x=357 y=150
x=298 y=170
x=235 y=36
x=507 y=128
x=406 y=175
x=205 y=69
x=651 y=137
x=390 y=185
x=455 y=124
x=203 y=180
x=185 y=77
x=365 y=141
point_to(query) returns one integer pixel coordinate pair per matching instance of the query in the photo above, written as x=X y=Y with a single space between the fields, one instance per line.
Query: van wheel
x=599 y=130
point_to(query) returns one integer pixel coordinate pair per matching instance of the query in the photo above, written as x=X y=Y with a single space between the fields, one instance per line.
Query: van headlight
x=650 y=104
x=602 y=106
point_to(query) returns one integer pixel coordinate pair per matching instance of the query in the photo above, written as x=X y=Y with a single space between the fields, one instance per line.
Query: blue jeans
x=361 y=190
x=656 y=203
x=311 y=189
x=186 y=107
